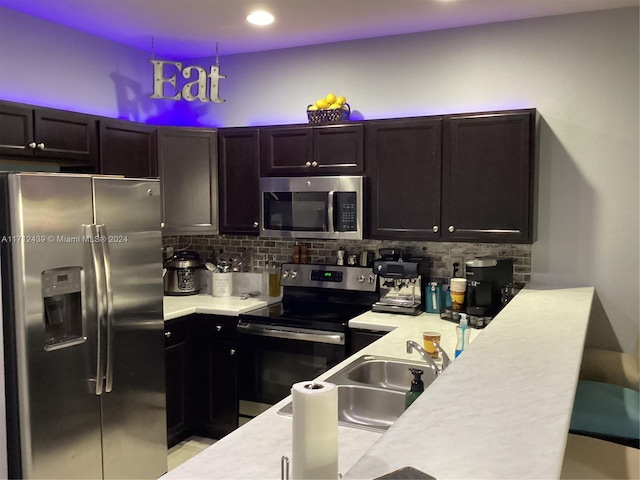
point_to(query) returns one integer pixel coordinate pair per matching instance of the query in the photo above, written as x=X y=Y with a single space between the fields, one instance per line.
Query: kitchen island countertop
x=501 y=410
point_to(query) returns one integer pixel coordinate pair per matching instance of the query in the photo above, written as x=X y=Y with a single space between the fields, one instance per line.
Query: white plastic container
x=222 y=284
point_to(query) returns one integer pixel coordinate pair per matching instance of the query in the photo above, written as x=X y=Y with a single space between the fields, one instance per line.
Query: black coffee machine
x=488 y=280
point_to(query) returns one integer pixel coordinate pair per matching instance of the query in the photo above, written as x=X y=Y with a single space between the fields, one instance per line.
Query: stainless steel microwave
x=312 y=207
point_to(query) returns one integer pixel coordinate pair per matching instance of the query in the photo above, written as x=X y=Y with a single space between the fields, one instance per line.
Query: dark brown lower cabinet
x=360 y=338
x=201 y=385
x=216 y=386
x=178 y=368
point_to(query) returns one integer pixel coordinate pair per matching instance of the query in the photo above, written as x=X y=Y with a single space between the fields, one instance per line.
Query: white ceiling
x=191 y=28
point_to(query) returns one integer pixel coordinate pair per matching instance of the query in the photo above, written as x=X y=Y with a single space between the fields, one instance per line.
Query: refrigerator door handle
x=108 y=294
x=91 y=232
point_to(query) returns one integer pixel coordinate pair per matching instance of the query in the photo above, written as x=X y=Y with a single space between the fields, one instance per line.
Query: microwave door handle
x=330 y=212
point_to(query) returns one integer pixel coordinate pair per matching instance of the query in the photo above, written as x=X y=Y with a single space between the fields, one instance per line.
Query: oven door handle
x=316 y=336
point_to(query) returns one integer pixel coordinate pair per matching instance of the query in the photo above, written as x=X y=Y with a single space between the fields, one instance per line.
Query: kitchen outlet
x=456 y=266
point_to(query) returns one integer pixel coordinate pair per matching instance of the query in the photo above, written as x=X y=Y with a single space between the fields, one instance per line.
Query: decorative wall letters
x=196 y=89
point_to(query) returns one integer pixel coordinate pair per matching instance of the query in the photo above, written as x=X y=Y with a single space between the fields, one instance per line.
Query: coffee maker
x=401 y=280
x=487 y=280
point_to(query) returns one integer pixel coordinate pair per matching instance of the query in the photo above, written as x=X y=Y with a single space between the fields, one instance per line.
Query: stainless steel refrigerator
x=82 y=325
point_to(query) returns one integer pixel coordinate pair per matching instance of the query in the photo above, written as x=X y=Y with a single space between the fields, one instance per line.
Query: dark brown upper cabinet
x=238 y=170
x=404 y=160
x=312 y=150
x=488 y=177
x=127 y=148
x=188 y=167
x=45 y=134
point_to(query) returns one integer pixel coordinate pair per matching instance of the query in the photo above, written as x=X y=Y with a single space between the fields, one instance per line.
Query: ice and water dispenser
x=62 y=305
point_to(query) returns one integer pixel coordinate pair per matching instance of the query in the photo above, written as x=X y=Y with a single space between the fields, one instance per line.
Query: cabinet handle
x=40 y=146
x=218 y=328
x=314 y=164
x=167 y=334
x=435 y=229
x=307 y=164
x=32 y=145
x=452 y=228
x=255 y=224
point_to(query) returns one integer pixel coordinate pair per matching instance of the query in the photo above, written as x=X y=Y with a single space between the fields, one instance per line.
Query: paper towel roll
x=315 y=431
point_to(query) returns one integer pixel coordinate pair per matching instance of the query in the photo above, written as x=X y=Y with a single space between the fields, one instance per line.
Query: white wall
x=46 y=64
x=580 y=71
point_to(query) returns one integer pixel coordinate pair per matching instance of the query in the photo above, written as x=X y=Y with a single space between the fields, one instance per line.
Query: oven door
x=272 y=358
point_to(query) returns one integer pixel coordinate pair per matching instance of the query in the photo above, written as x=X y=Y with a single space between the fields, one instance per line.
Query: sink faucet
x=411 y=346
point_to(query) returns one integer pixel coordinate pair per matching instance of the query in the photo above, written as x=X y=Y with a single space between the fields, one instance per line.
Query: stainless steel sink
x=387 y=373
x=371 y=391
x=369 y=407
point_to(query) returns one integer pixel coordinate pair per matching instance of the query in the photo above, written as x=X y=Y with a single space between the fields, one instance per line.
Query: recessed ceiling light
x=260 y=17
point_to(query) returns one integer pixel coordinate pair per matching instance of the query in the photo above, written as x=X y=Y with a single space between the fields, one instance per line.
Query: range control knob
x=294 y=274
x=372 y=278
x=361 y=279
x=285 y=274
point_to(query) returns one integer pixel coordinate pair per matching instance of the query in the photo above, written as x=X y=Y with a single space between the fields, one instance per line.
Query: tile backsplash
x=255 y=251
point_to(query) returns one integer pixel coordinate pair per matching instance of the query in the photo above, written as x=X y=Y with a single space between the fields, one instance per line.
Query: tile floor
x=186 y=449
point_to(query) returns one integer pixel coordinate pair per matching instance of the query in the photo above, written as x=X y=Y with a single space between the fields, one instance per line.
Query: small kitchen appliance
x=487 y=277
x=401 y=283
x=182 y=273
x=312 y=207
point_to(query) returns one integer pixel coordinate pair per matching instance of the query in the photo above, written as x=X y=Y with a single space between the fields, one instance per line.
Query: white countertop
x=179 y=306
x=501 y=410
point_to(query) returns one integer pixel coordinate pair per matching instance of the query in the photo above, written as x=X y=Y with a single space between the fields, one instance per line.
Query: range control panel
x=328 y=276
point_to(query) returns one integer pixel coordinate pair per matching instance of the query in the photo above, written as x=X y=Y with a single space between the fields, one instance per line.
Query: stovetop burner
x=319 y=297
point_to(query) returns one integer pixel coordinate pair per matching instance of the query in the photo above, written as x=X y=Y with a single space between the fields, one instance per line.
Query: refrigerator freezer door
x=133 y=405
x=56 y=405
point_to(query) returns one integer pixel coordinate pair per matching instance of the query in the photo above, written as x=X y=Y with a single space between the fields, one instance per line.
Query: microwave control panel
x=346 y=207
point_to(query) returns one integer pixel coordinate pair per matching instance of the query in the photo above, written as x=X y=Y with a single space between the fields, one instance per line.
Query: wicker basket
x=329 y=115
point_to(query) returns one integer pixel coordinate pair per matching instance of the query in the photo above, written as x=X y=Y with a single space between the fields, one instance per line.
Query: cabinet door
x=338 y=149
x=286 y=151
x=66 y=136
x=221 y=410
x=128 y=149
x=487 y=177
x=239 y=172
x=217 y=397
x=362 y=338
x=16 y=131
x=178 y=380
x=405 y=160
x=188 y=167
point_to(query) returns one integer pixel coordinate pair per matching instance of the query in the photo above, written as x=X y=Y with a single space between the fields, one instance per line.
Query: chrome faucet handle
x=445 y=358
x=411 y=346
